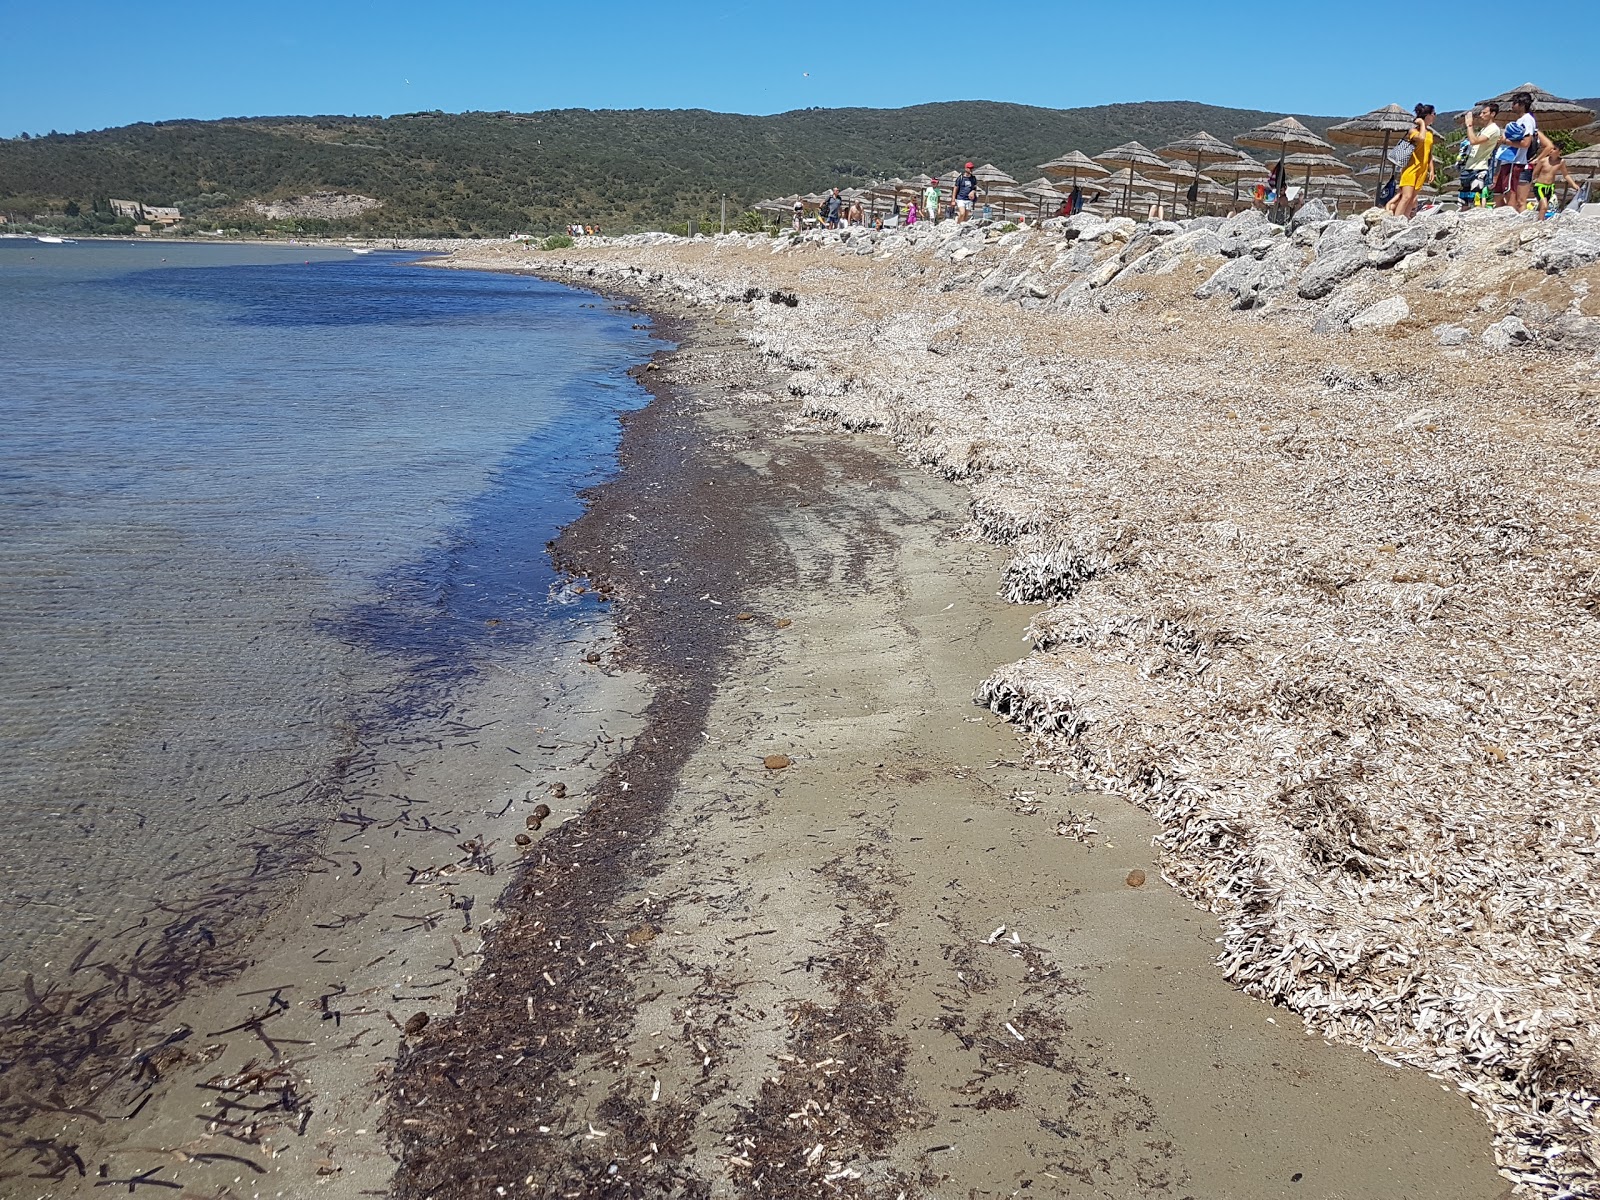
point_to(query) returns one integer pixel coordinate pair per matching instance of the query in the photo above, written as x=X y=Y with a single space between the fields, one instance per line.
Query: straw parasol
x=992 y=176
x=1075 y=165
x=1314 y=164
x=1552 y=112
x=1377 y=128
x=1286 y=136
x=1375 y=131
x=1587 y=159
x=1047 y=194
x=1131 y=157
x=1126 y=182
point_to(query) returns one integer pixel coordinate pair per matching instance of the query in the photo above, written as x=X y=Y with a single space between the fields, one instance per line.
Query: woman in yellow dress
x=1419 y=170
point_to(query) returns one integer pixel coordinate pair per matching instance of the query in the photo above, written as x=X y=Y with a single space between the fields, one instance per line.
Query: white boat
x=360 y=250
x=51 y=240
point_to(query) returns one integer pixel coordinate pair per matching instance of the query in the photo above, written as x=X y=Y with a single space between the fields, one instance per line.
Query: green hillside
x=493 y=173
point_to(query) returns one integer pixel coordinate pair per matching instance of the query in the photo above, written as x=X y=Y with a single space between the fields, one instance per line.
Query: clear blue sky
x=93 y=64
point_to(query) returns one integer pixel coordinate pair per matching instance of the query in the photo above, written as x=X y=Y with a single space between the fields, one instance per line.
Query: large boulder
x=1312 y=212
x=1341 y=253
x=1248 y=281
x=1406 y=241
x=1572 y=246
x=1571 y=331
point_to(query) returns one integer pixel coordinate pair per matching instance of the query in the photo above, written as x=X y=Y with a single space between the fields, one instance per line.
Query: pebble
x=1135 y=878
x=776 y=762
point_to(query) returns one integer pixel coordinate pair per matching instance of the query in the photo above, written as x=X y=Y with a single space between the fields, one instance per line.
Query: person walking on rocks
x=930 y=201
x=967 y=190
x=1477 y=173
x=1519 y=141
x=1419 y=170
x=830 y=209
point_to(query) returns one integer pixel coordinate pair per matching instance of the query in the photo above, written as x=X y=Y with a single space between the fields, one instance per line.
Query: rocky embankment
x=1317 y=514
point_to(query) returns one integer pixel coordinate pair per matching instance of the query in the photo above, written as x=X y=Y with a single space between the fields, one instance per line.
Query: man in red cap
x=966 y=192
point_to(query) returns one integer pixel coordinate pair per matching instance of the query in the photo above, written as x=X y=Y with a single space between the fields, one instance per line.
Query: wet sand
x=274 y=1083
x=823 y=929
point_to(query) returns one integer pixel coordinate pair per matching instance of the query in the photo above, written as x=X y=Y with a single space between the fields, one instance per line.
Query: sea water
x=256 y=501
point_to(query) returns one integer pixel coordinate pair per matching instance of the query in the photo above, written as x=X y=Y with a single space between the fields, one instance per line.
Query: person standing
x=1546 y=167
x=799 y=215
x=1519 y=141
x=967 y=190
x=1478 y=171
x=930 y=201
x=830 y=209
x=1419 y=170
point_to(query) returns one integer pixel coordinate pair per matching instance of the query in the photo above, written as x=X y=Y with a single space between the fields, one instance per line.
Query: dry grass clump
x=1326 y=604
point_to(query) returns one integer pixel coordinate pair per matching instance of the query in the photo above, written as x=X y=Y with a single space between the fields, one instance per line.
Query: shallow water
x=260 y=504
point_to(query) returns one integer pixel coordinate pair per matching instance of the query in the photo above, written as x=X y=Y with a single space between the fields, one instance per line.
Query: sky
x=95 y=64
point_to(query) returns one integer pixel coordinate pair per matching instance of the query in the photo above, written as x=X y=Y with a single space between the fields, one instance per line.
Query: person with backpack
x=1518 y=142
x=967 y=190
x=1419 y=168
x=1477 y=169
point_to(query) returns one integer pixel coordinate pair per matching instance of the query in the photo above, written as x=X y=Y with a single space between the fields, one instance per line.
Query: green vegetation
x=558 y=241
x=478 y=173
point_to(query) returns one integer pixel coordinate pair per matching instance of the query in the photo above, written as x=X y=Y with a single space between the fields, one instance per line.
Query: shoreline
x=1113 y=477
x=666 y=1001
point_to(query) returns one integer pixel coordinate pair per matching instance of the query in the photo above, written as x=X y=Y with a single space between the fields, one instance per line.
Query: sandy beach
x=911 y=959
x=1301 y=524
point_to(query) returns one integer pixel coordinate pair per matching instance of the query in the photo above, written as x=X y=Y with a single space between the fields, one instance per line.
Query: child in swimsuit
x=1545 y=169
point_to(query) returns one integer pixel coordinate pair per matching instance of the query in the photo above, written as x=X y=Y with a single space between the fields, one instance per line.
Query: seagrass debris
x=1328 y=618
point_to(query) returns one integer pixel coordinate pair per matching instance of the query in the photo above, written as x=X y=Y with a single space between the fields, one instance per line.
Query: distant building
x=151 y=213
x=141 y=229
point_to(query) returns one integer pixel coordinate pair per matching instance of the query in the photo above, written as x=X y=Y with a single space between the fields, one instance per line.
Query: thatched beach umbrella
x=1585 y=161
x=1127 y=182
x=1286 y=136
x=1074 y=166
x=1552 y=112
x=1132 y=157
x=1376 y=131
x=1046 y=194
x=1314 y=164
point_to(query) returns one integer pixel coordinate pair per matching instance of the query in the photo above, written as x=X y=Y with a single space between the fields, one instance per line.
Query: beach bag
x=1386 y=192
x=1400 y=154
x=1579 y=198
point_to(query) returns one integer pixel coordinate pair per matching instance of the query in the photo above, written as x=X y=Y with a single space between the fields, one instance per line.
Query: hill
x=492 y=173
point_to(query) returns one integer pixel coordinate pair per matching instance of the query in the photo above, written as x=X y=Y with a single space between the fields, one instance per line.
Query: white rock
x=1385 y=314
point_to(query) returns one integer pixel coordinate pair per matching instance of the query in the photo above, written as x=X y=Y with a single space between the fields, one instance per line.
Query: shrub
x=557 y=241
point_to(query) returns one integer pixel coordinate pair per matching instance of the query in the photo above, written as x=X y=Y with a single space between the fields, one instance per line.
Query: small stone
x=592 y=657
x=775 y=762
x=533 y=823
x=641 y=936
x=1506 y=334
x=541 y=811
x=745 y=616
x=1135 y=878
x=782 y=623
x=417 y=1023
x=523 y=839
x=558 y=790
